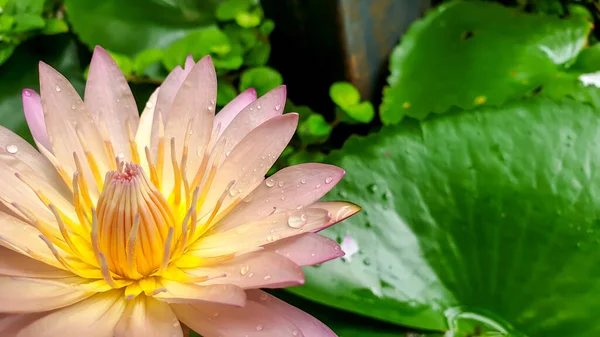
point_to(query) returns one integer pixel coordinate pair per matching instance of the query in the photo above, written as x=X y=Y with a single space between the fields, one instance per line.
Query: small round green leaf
x=262 y=79
x=229 y=9
x=362 y=112
x=344 y=94
x=250 y=19
x=258 y=55
x=314 y=129
x=480 y=221
x=267 y=27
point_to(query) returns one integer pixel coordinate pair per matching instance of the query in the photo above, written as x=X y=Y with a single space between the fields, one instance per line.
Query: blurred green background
x=470 y=131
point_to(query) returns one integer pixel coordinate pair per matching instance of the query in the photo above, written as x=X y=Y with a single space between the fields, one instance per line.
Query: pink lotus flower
x=126 y=226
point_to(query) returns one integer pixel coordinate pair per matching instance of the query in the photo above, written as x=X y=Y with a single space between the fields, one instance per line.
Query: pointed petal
x=291 y=188
x=248 y=162
x=93 y=317
x=309 y=326
x=260 y=232
x=147 y=317
x=266 y=107
x=189 y=293
x=307 y=249
x=34 y=114
x=166 y=96
x=339 y=210
x=253 y=270
x=252 y=320
x=233 y=108
x=23 y=295
x=65 y=112
x=18 y=265
x=194 y=103
x=189 y=63
x=109 y=100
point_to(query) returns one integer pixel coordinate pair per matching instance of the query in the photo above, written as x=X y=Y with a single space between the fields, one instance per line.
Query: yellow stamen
x=93 y=164
x=133 y=147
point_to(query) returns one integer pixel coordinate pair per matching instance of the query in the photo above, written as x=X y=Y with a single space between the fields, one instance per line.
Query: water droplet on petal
x=278 y=107
x=73 y=107
x=295 y=332
x=270 y=182
x=12 y=148
x=268 y=277
x=227 y=153
x=259 y=327
x=215 y=314
x=118 y=100
x=303 y=181
x=149 y=105
x=251 y=109
x=318 y=186
x=251 y=274
x=244 y=270
x=210 y=107
x=258 y=107
x=298 y=219
x=282 y=197
x=328 y=180
x=27 y=93
x=280 y=184
x=57 y=88
x=264 y=297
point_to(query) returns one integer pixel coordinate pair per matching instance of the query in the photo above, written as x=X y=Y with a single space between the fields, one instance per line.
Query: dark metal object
x=318 y=42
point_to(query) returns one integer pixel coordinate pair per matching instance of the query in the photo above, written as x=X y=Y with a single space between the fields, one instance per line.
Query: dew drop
x=278 y=107
x=328 y=180
x=251 y=274
x=270 y=238
x=268 y=277
x=149 y=105
x=258 y=107
x=12 y=148
x=210 y=107
x=298 y=219
x=227 y=153
x=27 y=93
x=303 y=181
x=264 y=297
x=263 y=157
x=318 y=186
x=270 y=182
x=295 y=332
x=259 y=327
x=282 y=197
x=232 y=192
x=244 y=270
x=118 y=100
x=280 y=184
x=57 y=88
x=251 y=109
x=73 y=107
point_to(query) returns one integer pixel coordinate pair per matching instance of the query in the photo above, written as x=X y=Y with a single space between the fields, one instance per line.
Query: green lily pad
x=128 y=27
x=471 y=53
x=484 y=221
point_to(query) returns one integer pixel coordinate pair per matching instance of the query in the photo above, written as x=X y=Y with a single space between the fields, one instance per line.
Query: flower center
x=135 y=224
